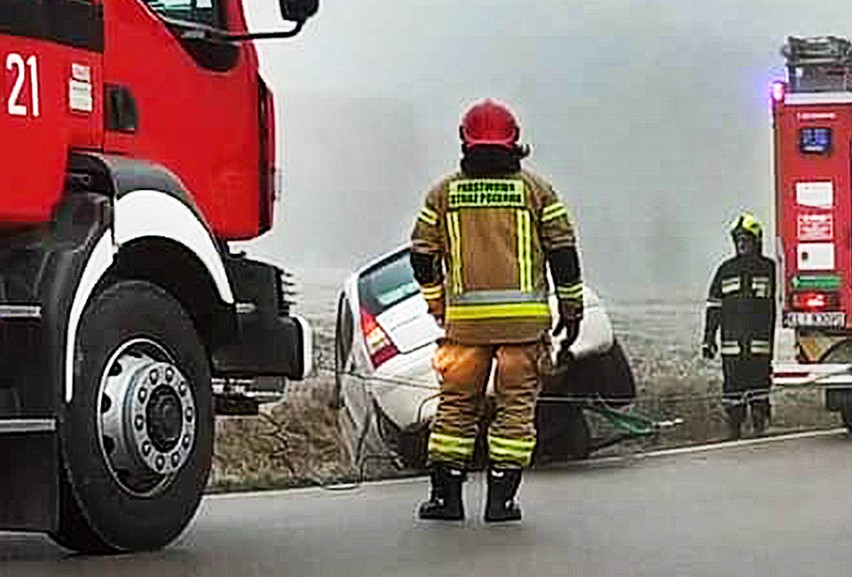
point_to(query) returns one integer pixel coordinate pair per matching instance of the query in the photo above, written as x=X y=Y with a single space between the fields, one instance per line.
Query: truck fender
x=148 y=202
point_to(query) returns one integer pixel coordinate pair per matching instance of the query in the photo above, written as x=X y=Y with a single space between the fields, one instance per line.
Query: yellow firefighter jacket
x=492 y=237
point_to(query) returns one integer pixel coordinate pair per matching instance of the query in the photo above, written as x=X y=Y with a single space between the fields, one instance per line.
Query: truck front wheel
x=137 y=438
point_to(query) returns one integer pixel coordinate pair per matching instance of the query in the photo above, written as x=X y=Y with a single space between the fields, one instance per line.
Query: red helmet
x=488 y=122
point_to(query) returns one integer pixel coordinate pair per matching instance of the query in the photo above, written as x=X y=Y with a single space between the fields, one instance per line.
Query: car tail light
x=379 y=345
x=814 y=301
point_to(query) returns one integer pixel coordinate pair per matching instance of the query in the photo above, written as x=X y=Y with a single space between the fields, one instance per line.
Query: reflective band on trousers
x=760 y=347
x=504 y=311
x=730 y=348
x=524 y=251
x=450 y=447
x=454 y=232
x=742 y=397
x=515 y=451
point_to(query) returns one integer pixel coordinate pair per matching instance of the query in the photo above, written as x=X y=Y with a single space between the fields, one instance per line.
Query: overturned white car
x=387 y=392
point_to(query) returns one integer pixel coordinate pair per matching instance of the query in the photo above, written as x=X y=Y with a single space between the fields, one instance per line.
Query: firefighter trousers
x=464 y=372
x=747 y=382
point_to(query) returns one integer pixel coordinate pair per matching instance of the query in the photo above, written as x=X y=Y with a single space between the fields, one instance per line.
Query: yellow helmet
x=748 y=224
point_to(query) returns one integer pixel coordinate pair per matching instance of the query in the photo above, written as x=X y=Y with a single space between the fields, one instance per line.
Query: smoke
x=650 y=118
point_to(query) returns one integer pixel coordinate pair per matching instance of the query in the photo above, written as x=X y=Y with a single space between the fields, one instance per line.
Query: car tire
x=134 y=336
x=341 y=332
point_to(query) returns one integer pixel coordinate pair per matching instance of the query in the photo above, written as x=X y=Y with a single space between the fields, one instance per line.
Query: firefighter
x=480 y=248
x=742 y=303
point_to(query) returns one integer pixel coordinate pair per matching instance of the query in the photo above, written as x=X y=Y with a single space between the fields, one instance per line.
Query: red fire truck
x=138 y=139
x=812 y=113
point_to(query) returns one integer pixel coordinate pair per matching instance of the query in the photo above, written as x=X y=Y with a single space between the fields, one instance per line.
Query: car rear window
x=388 y=283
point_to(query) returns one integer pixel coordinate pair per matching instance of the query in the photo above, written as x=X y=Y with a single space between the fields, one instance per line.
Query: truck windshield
x=201 y=11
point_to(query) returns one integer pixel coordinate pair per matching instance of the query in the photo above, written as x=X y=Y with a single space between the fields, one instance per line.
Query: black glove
x=709 y=349
x=570 y=316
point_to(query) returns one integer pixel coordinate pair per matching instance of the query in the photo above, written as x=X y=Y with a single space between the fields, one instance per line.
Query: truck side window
x=206 y=12
x=182 y=16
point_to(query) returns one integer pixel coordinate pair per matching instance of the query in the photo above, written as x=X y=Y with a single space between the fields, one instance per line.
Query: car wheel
x=343 y=331
x=137 y=437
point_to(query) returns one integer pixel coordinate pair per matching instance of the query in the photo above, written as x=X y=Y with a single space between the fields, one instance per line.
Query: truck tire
x=137 y=437
x=840 y=400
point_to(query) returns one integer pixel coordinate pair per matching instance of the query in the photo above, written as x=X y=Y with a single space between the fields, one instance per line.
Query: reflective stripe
x=736 y=398
x=506 y=311
x=428 y=216
x=517 y=451
x=570 y=292
x=760 y=286
x=487 y=193
x=731 y=284
x=432 y=293
x=730 y=348
x=713 y=303
x=733 y=399
x=454 y=231
x=498 y=297
x=451 y=447
x=553 y=211
x=524 y=251
x=760 y=347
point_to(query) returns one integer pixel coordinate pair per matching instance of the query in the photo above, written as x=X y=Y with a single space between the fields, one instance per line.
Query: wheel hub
x=147 y=418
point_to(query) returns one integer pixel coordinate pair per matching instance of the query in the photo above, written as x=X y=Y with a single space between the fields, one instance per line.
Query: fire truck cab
x=138 y=141
x=812 y=125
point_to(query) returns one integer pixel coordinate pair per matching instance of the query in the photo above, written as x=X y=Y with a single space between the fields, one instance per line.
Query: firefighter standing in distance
x=480 y=248
x=742 y=302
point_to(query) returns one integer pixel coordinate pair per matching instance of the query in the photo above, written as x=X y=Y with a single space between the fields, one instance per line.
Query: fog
x=651 y=118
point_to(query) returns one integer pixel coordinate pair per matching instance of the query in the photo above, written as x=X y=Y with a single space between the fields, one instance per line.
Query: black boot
x=502 y=486
x=734 y=430
x=760 y=417
x=735 y=415
x=445 y=502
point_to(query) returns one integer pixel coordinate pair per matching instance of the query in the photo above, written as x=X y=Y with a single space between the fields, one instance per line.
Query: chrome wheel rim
x=147 y=419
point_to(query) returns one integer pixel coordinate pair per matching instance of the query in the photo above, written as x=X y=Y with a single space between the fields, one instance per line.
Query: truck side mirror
x=298 y=10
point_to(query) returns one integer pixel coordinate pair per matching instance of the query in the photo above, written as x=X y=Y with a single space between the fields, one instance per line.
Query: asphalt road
x=779 y=508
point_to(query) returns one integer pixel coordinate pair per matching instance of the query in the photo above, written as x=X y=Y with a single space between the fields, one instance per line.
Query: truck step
x=17 y=426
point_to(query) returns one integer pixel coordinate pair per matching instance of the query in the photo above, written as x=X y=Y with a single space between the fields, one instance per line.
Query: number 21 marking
x=15 y=62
